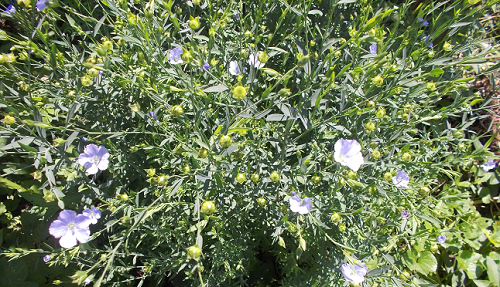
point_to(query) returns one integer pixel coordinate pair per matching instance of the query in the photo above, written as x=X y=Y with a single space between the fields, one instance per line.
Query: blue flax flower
x=425 y=24
x=175 y=56
x=489 y=165
x=152 y=115
x=441 y=238
x=348 y=153
x=42 y=4
x=70 y=228
x=373 y=49
x=401 y=179
x=301 y=206
x=234 y=69
x=206 y=66
x=404 y=214
x=10 y=9
x=94 y=158
x=46 y=258
x=253 y=60
x=93 y=213
x=355 y=274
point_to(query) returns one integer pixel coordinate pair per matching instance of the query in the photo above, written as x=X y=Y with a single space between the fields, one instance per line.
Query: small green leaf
x=436 y=72
x=216 y=89
x=424 y=262
x=493 y=270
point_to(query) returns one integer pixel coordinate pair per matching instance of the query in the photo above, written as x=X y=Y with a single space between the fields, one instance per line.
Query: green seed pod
x=376 y=154
x=241 y=178
x=86 y=81
x=208 y=207
x=336 y=217
x=275 y=176
x=261 y=201
x=388 y=176
x=406 y=157
x=177 y=110
x=316 y=179
x=194 y=252
x=303 y=60
x=202 y=153
x=378 y=81
x=380 y=113
x=225 y=141
x=255 y=177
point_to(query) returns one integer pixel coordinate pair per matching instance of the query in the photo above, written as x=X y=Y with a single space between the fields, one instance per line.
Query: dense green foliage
x=203 y=163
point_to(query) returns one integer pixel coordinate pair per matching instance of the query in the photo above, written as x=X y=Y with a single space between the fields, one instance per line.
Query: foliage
x=205 y=155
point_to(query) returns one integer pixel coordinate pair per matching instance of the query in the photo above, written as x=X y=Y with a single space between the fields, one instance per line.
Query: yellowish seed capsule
x=275 y=176
x=208 y=207
x=241 y=178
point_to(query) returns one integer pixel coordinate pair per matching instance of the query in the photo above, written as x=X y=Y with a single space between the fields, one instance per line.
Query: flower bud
x=225 y=141
x=370 y=104
x=208 y=207
x=447 y=46
x=284 y=92
x=275 y=176
x=255 y=177
x=378 y=81
x=239 y=92
x=196 y=2
x=194 y=252
x=248 y=34
x=125 y=219
x=431 y=54
x=194 y=23
x=337 y=54
x=405 y=116
x=302 y=244
x=458 y=134
x=376 y=154
x=241 y=178
x=261 y=201
x=177 y=110
x=431 y=86
x=303 y=60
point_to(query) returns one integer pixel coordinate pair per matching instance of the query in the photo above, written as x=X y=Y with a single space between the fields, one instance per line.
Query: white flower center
x=96 y=159
x=71 y=227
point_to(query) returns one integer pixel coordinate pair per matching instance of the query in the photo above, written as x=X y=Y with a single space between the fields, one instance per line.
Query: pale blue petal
x=58 y=228
x=68 y=240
